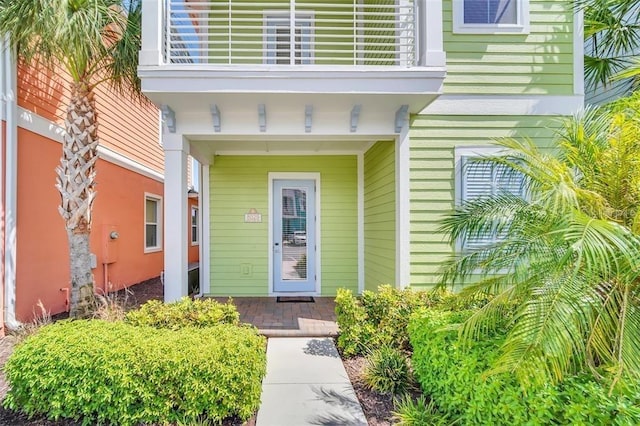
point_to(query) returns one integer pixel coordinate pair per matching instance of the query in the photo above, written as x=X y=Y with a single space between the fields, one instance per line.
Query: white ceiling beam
x=355 y=117
x=308 y=117
x=215 y=114
x=262 y=117
x=402 y=115
x=169 y=117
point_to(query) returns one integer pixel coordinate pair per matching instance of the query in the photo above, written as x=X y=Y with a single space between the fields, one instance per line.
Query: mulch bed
x=377 y=407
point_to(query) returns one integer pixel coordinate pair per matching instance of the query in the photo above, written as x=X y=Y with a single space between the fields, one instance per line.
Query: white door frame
x=295 y=176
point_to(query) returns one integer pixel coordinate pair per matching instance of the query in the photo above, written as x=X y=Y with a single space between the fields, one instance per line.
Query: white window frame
x=195 y=226
x=460 y=154
x=158 y=199
x=269 y=15
x=520 y=27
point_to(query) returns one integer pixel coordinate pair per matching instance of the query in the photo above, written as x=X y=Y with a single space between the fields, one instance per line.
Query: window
x=479 y=179
x=152 y=223
x=194 y=226
x=491 y=16
x=278 y=39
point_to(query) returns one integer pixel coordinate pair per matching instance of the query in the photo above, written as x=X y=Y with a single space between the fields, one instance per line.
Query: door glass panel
x=294 y=234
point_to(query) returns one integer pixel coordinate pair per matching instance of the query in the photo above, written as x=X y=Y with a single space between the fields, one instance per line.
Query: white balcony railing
x=292 y=32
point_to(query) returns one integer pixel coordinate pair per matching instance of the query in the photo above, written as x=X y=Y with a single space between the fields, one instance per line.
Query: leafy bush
x=410 y=412
x=387 y=371
x=183 y=313
x=452 y=376
x=378 y=318
x=114 y=373
x=355 y=330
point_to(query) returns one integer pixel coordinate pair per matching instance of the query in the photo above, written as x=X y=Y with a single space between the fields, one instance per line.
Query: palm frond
x=612 y=33
x=94 y=40
x=567 y=256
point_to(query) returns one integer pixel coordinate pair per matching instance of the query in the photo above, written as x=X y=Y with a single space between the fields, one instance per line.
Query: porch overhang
x=217 y=123
x=416 y=85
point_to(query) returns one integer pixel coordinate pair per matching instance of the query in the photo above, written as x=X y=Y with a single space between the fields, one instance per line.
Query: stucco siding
x=433 y=176
x=380 y=215
x=539 y=63
x=42 y=268
x=239 y=250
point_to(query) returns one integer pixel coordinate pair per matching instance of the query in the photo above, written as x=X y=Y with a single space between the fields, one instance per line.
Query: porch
x=291 y=317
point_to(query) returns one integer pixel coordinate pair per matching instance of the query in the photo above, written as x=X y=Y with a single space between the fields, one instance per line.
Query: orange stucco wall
x=42 y=254
x=193 y=249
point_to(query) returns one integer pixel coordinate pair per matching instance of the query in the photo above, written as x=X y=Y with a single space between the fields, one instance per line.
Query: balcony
x=336 y=52
x=302 y=33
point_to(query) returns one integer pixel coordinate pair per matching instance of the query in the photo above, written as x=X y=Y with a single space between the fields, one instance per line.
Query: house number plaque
x=253 y=217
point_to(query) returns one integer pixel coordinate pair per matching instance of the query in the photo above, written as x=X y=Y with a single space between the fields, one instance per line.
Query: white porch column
x=176 y=151
x=431 y=45
x=152 y=32
x=403 y=207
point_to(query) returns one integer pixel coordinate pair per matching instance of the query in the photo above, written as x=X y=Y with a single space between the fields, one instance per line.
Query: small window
x=481 y=179
x=152 y=223
x=278 y=39
x=194 y=226
x=491 y=16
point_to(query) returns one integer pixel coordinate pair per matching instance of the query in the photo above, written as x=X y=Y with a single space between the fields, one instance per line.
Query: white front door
x=294 y=236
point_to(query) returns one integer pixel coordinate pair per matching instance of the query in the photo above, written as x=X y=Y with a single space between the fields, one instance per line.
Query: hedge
x=451 y=375
x=183 y=313
x=114 y=373
x=377 y=319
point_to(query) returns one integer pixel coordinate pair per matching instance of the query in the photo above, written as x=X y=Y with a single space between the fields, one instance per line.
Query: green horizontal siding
x=432 y=187
x=380 y=215
x=240 y=183
x=540 y=62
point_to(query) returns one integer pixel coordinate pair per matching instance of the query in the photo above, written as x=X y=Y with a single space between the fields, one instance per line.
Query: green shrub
x=451 y=375
x=183 y=313
x=387 y=371
x=417 y=412
x=355 y=331
x=114 y=373
x=378 y=318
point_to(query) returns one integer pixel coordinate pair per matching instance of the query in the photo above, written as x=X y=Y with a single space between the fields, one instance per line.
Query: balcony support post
x=431 y=52
x=153 y=23
x=176 y=151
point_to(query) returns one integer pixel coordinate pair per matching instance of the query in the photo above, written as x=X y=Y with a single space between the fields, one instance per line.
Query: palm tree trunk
x=76 y=176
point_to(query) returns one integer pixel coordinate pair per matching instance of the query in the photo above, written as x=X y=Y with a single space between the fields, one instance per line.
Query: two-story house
x=331 y=134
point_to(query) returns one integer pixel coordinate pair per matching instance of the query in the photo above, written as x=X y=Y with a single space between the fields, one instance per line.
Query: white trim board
x=50 y=130
x=403 y=207
x=361 y=245
x=578 y=52
x=504 y=105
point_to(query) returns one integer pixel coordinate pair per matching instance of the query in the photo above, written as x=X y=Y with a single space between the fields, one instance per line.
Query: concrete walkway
x=306 y=384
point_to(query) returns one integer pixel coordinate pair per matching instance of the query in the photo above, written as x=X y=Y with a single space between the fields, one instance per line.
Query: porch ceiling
x=203 y=149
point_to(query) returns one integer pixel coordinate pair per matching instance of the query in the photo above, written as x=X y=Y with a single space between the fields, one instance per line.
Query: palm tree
x=94 y=41
x=612 y=35
x=565 y=270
